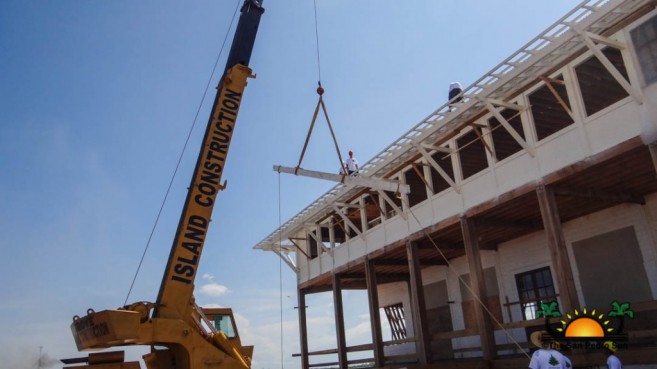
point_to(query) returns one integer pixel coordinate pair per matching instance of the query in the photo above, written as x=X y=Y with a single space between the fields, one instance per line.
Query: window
x=599 y=88
x=548 y=113
x=225 y=324
x=395 y=315
x=417 y=184
x=505 y=145
x=472 y=153
x=534 y=287
x=312 y=246
x=444 y=161
x=644 y=38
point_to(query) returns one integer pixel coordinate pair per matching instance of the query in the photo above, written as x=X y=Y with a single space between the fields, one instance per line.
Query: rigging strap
x=320 y=102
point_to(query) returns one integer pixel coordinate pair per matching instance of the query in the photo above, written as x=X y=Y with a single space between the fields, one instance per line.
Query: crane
x=181 y=334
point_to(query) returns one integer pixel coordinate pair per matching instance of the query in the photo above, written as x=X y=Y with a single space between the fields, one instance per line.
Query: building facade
x=537 y=192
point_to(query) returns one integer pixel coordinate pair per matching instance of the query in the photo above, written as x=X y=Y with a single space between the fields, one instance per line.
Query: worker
x=454 y=90
x=610 y=349
x=352 y=164
x=546 y=357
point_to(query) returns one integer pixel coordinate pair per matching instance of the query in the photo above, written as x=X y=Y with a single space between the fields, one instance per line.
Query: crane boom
x=174 y=321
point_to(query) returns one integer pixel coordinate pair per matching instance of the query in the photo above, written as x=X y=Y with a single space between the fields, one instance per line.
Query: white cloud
x=213 y=289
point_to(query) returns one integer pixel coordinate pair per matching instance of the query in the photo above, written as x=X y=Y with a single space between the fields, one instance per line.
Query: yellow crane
x=181 y=334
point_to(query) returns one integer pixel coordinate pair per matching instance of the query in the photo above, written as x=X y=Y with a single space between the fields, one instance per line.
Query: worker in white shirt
x=352 y=164
x=546 y=357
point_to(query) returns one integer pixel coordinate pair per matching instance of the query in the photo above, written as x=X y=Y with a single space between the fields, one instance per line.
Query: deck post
x=422 y=341
x=303 y=328
x=558 y=252
x=478 y=282
x=339 y=322
x=375 y=317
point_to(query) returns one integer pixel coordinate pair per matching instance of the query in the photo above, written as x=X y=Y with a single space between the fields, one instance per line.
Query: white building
x=539 y=186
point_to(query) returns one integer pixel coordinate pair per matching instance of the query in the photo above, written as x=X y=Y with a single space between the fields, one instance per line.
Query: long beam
x=375 y=183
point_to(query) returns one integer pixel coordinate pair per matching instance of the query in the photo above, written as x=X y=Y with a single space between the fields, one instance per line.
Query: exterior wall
x=394 y=293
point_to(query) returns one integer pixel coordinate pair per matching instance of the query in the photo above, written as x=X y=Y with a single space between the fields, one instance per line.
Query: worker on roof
x=352 y=164
x=453 y=95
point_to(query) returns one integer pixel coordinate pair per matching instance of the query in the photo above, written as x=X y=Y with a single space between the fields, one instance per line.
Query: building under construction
x=528 y=204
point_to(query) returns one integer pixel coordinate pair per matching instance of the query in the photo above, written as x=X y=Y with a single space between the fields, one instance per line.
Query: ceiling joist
x=600 y=195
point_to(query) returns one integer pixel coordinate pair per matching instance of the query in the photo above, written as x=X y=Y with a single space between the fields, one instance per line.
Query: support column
x=558 y=252
x=422 y=339
x=303 y=328
x=478 y=285
x=375 y=317
x=339 y=322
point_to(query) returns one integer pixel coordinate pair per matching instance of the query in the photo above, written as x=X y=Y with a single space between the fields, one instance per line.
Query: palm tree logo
x=549 y=310
x=620 y=311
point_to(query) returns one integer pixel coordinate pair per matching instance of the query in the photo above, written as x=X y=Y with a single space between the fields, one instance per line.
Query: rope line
x=467 y=286
x=175 y=171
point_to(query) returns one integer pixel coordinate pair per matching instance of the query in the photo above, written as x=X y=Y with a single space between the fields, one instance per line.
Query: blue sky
x=97 y=98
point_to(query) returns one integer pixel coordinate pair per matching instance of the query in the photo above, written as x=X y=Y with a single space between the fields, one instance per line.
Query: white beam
x=348 y=221
x=374 y=183
x=287 y=259
x=387 y=199
x=446 y=150
x=316 y=238
x=438 y=169
x=507 y=104
x=627 y=86
x=606 y=41
x=509 y=128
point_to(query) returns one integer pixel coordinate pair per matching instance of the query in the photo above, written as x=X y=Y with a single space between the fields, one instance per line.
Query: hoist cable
x=175 y=171
x=280 y=263
x=320 y=103
x=319 y=67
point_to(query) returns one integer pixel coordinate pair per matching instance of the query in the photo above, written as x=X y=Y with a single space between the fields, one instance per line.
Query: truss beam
x=589 y=41
x=374 y=183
